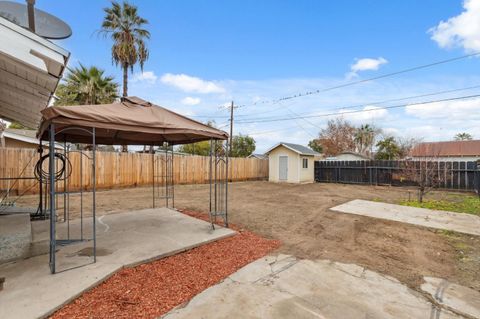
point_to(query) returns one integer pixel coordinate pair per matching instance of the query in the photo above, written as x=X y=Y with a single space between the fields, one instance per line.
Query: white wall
x=273 y=165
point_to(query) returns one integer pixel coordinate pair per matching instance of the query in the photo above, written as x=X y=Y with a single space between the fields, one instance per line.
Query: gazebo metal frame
x=162 y=187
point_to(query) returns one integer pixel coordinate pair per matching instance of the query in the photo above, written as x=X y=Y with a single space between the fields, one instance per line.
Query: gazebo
x=131 y=121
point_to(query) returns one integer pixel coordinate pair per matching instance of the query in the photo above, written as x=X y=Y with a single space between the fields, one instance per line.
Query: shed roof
x=297 y=148
x=449 y=148
x=132 y=121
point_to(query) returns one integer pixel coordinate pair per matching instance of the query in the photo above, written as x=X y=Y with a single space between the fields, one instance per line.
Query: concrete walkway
x=125 y=239
x=284 y=287
x=462 y=223
x=453 y=296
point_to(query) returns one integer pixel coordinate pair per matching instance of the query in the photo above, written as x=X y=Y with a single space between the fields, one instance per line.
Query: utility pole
x=231 y=128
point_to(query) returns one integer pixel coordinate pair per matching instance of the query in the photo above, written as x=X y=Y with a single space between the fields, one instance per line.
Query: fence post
x=476 y=178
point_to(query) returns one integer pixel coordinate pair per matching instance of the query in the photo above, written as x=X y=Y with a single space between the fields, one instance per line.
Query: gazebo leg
x=51 y=169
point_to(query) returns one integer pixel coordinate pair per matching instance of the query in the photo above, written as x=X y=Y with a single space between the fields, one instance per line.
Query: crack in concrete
x=269 y=280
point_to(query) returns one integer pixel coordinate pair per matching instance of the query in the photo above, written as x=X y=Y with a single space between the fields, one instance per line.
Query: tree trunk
x=125 y=93
x=125 y=79
x=421 y=192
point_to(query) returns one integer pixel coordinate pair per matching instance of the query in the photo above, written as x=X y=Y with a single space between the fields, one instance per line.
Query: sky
x=205 y=54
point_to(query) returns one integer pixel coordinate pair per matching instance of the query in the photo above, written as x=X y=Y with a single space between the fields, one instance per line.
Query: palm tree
x=86 y=85
x=463 y=137
x=364 y=138
x=125 y=28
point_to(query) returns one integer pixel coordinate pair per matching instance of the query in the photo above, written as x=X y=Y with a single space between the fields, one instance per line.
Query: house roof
x=260 y=156
x=449 y=148
x=355 y=154
x=297 y=148
x=27 y=136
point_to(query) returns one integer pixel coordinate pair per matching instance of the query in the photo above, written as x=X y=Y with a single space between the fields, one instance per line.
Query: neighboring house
x=291 y=163
x=348 y=156
x=19 y=138
x=448 y=151
x=258 y=156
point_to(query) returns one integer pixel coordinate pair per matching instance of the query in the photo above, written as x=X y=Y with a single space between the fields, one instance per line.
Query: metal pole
x=226 y=186
x=231 y=129
x=94 y=165
x=215 y=181
x=40 y=195
x=165 y=173
x=153 y=178
x=65 y=217
x=173 y=179
x=210 y=175
x=81 y=195
x=51 y=176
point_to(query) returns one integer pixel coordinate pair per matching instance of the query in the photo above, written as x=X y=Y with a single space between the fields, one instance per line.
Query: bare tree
x=337 y=137
x=426 y=173
x=406 y=145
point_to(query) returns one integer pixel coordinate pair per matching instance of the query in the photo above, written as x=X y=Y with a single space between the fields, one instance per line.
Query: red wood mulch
x=151 y=290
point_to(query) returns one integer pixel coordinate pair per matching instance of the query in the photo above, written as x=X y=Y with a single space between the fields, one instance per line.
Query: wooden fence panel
x=119 y=170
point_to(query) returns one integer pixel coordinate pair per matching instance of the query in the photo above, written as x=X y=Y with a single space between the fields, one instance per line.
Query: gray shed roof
x=300 y=149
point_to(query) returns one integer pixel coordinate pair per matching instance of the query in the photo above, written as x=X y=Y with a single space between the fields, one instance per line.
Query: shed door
x=283 y=168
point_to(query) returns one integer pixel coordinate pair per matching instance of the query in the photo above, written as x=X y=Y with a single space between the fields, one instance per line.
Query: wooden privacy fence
x=120 y=169
x=458 y=175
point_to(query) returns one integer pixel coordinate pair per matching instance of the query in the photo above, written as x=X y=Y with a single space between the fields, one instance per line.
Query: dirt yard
x=299 y=216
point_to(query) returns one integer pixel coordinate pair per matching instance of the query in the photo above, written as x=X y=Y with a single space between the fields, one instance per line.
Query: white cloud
x=365 y=64
x=460 y=31
x=147 y=76
x=453 y=110
x=191 y=84
x=191 y=100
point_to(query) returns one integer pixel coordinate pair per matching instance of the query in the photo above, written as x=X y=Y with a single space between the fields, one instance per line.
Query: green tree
x=126 y=28
x=463 y=137
x=388 y=149
x=314 y=145
x=199 y=148
x=86 y=85
x=242 y=146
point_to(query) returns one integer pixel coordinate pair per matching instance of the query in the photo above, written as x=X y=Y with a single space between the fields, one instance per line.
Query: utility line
x=376 y=102
x=415 y=68
x=360 y=111
x=351 y=106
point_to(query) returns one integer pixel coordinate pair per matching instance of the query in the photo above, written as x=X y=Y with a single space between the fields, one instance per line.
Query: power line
x=360 y=111
x=376 y=102
x=308 y=93
x=415 y=68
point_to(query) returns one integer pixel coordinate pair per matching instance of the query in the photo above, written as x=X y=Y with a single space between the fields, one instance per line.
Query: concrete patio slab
x=454 y=296
x=462 y=223
x=15 y=236
x=124 y=239
x=284 y=287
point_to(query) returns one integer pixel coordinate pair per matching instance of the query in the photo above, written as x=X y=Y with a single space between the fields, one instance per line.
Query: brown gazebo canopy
x=132 y=121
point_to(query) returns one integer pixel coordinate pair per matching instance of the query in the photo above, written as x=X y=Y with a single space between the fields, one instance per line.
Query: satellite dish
x=46 y=25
